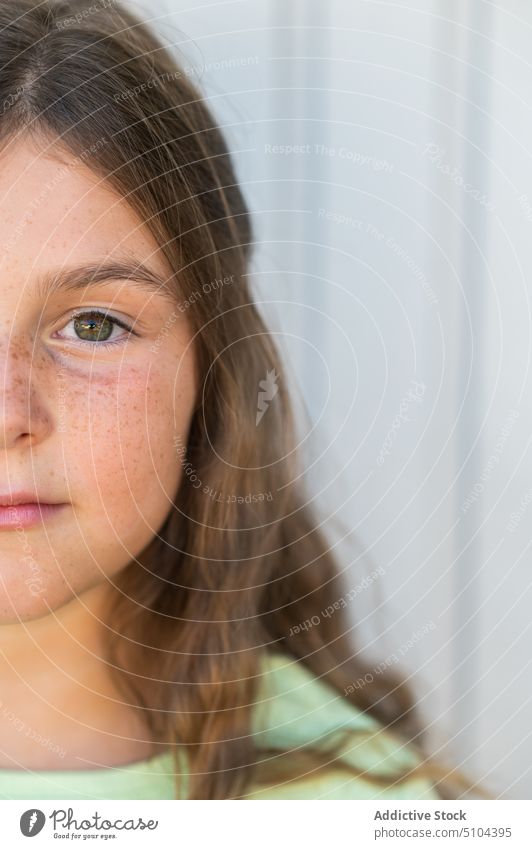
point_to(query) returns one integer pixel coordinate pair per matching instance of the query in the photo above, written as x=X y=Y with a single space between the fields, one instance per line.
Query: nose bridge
x=15 y=364
x=21 y=411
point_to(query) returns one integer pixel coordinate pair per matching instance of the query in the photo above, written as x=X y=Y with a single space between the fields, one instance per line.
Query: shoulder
x=296 y=711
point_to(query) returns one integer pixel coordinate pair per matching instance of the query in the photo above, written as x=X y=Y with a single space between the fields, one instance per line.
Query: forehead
x=53 y=208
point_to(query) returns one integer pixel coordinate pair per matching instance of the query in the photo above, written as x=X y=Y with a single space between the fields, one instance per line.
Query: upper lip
x=22 y=497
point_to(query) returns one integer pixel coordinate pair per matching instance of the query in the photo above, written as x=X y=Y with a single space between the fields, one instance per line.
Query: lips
x=26 y=514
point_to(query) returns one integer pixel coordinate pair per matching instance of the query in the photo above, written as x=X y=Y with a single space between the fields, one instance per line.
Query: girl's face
x=90 y=413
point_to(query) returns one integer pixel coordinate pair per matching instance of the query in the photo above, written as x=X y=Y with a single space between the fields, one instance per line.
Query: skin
x=90 y=425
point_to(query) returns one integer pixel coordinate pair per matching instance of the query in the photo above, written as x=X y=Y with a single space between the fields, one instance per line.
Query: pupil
x=87 y=327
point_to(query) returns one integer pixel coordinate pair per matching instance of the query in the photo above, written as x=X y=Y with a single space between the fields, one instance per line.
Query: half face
x=96 y=382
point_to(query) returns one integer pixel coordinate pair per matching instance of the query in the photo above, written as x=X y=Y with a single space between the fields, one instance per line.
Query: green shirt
x=294 y=709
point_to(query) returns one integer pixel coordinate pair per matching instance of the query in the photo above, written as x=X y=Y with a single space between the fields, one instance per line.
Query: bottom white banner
x=260 y=824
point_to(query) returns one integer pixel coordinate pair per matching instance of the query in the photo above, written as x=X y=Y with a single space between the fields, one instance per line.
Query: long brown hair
x=240 y=562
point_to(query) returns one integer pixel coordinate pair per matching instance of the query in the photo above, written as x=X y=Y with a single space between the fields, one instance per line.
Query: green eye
x=95 y=328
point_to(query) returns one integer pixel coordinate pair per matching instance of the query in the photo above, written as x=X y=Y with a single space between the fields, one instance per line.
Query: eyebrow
x=94 y=273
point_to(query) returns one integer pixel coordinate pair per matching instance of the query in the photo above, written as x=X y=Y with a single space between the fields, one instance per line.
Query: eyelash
x=95 y=313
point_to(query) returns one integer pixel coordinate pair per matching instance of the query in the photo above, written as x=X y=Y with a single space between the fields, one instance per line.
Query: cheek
x=121 y=456
x=113 y=457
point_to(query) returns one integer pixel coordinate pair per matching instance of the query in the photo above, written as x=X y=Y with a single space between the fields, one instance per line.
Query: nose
x=24 y=417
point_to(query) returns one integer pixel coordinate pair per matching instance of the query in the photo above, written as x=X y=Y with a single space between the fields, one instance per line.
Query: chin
x=25 y=601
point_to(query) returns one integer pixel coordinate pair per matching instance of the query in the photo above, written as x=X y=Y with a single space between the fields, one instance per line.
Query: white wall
x=394 y=249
